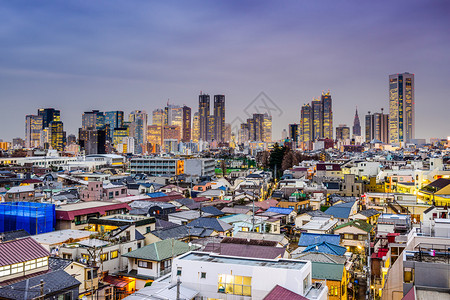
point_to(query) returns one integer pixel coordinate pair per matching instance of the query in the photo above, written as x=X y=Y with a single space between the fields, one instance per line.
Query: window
x=130 y=249
x=145 y=264
x=202 y=275
x=179 y=271
x=85 y=256
x=166 y=264
x=90 y=273
x=4 y=271
x=306 y=283
x=114 y=254
x=148 y=229
x=41 y=262
x=29 y=265
x=408 y=275
x=236 y=285
x=348 y=236
x=104 y=257
x=139 y=245
x=333 y=291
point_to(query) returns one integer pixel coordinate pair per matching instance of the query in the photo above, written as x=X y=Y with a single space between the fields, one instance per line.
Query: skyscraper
x=317 y=119
x=114 y=119
x=57 y=135
x=306 y=134
x=342 y=133
x=327 y=119
x=356 y=125
x=203 y=111
x=158 y=117
x=138 y=129
x=293 y=132
x=187 y=128
x=93 y=120
x=377 y=127
x=267 y=128
x=33 y=127
x=401 y=108
x=49 y=115
x=219 y=118
x=196 y=127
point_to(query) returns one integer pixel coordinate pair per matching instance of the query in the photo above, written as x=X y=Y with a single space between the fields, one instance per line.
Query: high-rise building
x=138 y=129
x=317 y=119
x=377 y=127
x=267 y=128
x=57 y=135
x=171 y=132
x=356 y=125
x=203 y=111
x=196 y=127
x=187 y=128
x=306 y=134
x=219 y=117
x=119 y=134
x=93 y=120
x=227 y=137
x=49 y=115
x=173 y=115
x=327 y=118
x=243 y=134
x=92 y=141
x=158 y=117
x=155 y=136
x=401 y=108
x=113 y=119
x=293 y=132
x=342 y=133
x=33 y=127
x=211 y=127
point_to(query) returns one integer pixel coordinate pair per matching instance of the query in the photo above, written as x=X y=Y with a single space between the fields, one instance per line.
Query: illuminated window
x=4 y=271
x=16 y=268
x=29 y=265
x=236 y=285
x=104 y=257
x=408 y=275
x=41 y=262
x=114 y=254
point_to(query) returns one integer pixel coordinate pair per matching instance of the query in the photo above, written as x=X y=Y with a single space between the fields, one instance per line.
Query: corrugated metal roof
x=21 y=250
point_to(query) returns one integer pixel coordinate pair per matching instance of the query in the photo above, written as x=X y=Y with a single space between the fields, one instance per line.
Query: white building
x=200 y=167
x=227 y=277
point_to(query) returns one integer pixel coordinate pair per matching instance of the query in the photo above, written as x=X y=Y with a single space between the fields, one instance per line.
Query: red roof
x=117 y=282
x=266 y=203
x=21 y=250
x=279 y=292
x=70 y=215
x=164 y=198
x=201 y=199
x=31 y=181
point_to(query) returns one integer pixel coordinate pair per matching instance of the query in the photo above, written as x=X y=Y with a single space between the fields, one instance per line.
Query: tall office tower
x=196 y=127
x=243 y=135
x=377 y=127
x=306 y=132
x=342 y=132
x=173 y=115
x=33 y=127
x=317 y=119
x=158 y=117
x=119 y=134
x=57 y=135
x=227 y=137
x=155 y=136
x=187 y=126
x=114 y=119
x=211 y=126
x=356 y=125
x=171 y=132
x=138 y=129
x=327 y=111
x=203 y=112
x=401 y=108
x=259 y=127
x=267 y=128
x=219 y=118
x=251 y=129
x=293 y=132
x=92 y=140
x=49 y=115
x=93 y=120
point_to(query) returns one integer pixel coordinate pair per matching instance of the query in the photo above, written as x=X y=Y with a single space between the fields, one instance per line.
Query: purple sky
x=126 y=55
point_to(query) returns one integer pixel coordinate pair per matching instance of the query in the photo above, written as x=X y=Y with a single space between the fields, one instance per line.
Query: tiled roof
x=57 y=263
x=54 y=282
x=358 y=224
x=161 y=250
x=440 y=183
x=280 y=210
x=341 y=210
x=307 y=239
x=279 y=292
x=21 y=250
x=12 y=235
x=69 y=215
x=211 y=223
x=327 y=248
x=369 y=212
x=214 y=211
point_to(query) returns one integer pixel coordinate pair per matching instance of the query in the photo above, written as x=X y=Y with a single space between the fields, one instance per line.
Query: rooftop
x=61 y=236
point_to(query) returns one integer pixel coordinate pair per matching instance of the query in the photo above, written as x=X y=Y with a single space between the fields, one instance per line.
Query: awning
x=117 y=282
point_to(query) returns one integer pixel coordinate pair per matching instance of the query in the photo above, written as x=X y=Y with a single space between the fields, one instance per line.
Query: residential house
x=343 y=211
x=355 y=235
x=20 y=193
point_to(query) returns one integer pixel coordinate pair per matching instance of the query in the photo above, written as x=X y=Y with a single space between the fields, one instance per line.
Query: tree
x=276 y=159
x=262 y=159
x=223 y=166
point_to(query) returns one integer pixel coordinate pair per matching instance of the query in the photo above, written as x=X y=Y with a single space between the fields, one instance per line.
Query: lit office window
x=236 y=285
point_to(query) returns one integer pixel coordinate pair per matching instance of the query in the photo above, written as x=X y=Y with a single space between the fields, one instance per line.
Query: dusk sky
x=126 y=55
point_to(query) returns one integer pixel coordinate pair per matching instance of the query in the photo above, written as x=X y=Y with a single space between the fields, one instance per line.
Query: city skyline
x=69 y=63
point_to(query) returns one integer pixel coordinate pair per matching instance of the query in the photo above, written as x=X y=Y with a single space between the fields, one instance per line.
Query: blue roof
x=308 y=239
x=326 y=248
x=222 y=187
x=212 y=210
x=341 y=210
x=211 y=223
x=156 y=194
x=280 y=210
